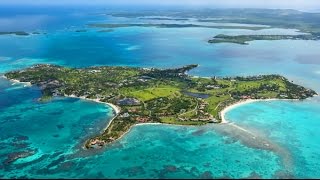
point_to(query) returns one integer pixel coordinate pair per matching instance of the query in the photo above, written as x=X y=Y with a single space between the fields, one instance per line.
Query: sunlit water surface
x=54 y=132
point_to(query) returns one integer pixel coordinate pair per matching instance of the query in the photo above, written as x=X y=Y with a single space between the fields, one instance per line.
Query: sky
x=292 y=4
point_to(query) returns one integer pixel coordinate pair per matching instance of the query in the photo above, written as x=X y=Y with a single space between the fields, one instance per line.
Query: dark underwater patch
x=308 y=59
x=131 y=171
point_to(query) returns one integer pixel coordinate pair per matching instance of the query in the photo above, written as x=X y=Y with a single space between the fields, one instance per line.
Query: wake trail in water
x=242 y=129
x=253 y=139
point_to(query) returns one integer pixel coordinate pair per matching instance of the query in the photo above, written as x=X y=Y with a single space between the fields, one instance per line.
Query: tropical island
x=18 y=33
x=150 y=95
x=244 y=39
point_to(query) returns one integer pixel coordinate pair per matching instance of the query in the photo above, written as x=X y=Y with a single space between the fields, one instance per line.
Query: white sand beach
x=15 y=81
x=225 y=110
x=116 y=109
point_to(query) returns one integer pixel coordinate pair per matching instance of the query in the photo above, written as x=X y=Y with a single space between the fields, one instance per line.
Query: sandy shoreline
x=243 y=102
x=139 y=124
x=15 y=81
x=115 y=108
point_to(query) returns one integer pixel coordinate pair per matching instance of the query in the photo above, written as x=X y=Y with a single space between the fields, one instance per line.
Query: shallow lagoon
x=56 y=130
x=292 y=124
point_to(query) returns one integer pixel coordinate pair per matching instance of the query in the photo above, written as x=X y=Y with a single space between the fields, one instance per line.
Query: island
x=18 y=33
x=307 y=22
x=151 y=95
x=238 y=18
x=164 y=25
x=244 y=39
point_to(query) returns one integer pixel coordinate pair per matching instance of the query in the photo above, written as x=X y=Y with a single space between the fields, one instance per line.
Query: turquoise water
x=293 y=125
x=55 y=131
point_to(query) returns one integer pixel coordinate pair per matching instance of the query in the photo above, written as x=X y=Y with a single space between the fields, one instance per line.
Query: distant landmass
x=277 y=18
x=244 y=39
x=18 y=33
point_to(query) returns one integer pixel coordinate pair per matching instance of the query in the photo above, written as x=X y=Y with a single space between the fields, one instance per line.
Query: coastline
x=115 y=108
x=243 y=102
x=15 y=81
x=138 y=124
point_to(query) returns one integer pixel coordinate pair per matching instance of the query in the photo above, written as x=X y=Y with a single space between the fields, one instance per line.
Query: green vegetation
x=155 y=95
x=244 y=39
x=45 y=98
x=278 y=18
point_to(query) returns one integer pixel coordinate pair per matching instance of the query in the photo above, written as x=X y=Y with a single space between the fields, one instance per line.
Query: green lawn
x=152 y=93
x=213 y=103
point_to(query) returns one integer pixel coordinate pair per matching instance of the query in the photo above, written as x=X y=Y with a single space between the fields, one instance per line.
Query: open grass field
x=153 y=93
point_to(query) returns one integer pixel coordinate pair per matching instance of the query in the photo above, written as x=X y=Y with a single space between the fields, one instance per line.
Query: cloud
x=297 y=4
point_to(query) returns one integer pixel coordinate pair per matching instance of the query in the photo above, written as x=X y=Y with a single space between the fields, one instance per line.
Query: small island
x=18 y=33
x=244 y=39
x=150 y=95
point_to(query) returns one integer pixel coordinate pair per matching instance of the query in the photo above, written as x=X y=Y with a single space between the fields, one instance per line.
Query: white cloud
x=296 y=4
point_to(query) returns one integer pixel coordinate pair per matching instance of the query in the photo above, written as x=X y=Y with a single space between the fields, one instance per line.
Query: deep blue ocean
x=53 y=132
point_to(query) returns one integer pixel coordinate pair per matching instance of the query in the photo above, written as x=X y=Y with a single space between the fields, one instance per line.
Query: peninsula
x=150 y=95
